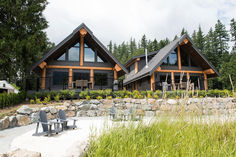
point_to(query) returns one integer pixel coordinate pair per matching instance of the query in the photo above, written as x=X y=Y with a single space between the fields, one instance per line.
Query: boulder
x=45 y=109
x=61 y=107
x=66 y=103
x=70 y=113
x=94 y=102
x=151 y=101
x=25 y=110
x=91 y=113
x=23 y=120
x=101 y=112
x=93 y=107
x=51 y=116
x=143 y=102
x=172 y=102
x=71 y=108
x=34 y=117
x=84 y=107
x=13 y=121
x=147 y=107
x=36 y=109
x=52 y=109
x=22 y=153
x=81 y=113
x=107 y=103
x=80 y=103
x=127 y=100
x=155 y=107
x=4 y=123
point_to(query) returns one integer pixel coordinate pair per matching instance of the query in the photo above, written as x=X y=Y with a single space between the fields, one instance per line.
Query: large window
x=62 y=57
x=81 y=76
x=172 y=59
x=89 y=54
x=73 y=53
x=99 y=59
x=100 y=79
x=60 y=78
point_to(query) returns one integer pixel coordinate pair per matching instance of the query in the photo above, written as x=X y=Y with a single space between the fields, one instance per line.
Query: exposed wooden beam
x=136 y=67
x=179 y=71
x=152 y=81
x=205 y=82
x=70 y=78
x=42 y=65
x=117 y=68
x=185 y=41
x=83 y=32
x=208 y=71
x=92 y=77
x=115 y=75
x=43 y=77
x=172 y=78
x=179 y=58
x=136 y=85
x=77 y=67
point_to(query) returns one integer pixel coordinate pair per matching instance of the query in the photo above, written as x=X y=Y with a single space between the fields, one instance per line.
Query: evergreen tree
x=110 y=47
x=200 y=42
x=176 y=37
x=183 y=31
x=22 y=37
x=143 y=43
x=233 y=34
x=155 y=45
x=194 y=37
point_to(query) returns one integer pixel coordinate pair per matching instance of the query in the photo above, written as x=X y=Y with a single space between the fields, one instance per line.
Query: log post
x=179 y=58
x=115 y=74
x=92 y=77
x=205 y=82
x=152 y=81
x=83 y=32
x=70 y=83
x=43 y=78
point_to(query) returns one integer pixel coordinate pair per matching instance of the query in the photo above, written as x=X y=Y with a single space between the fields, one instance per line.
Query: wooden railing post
x=83 y=32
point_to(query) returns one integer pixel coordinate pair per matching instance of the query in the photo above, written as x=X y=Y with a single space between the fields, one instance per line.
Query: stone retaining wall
x=148 y=107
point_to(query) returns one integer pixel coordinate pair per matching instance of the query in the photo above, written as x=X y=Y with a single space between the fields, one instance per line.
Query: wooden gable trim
x=117 y=68
x=185 y=41
x=209 y=71
x=42 y=65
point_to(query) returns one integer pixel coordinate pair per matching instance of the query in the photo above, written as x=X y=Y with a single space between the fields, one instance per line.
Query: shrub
x=65 y=94
x=87 y=97
x=98 y=97
x=38 y=101
x=72 y=93
x=46 y=100
x=32 y=101
x=107 y=92
x=109 y=97
x=83 y=94
x=57 y=98
x=11 y=99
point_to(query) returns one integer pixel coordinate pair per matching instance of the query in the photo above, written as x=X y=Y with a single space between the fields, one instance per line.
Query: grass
x=166 y=138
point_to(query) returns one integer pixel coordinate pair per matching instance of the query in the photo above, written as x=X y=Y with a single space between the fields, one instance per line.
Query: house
x=7 y=87
x=80 y=60
x=179 y=65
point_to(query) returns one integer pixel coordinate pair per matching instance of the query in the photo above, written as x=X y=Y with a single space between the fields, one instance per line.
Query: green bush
x=98 y=97
x=37 y=100
x=87 y=97
x=57 y=98
x=72 y=94
x=65 y=94
x=8 y=100
x=109 y=97
x=32 y=101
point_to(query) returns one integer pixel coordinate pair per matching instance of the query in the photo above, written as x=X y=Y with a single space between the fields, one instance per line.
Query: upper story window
x=62 y=57
x=73 y=53
x=99 y=59
x=172 y=59
x=89 y=54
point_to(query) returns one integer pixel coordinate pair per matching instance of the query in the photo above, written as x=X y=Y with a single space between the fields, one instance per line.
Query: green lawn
x=166 y=138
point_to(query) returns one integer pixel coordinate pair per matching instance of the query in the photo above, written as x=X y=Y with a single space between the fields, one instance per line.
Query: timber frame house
x=81 y=60
x=178 y=65
x=80 y=56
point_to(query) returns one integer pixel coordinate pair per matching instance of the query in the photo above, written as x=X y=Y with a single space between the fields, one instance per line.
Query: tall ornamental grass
x=166 y=138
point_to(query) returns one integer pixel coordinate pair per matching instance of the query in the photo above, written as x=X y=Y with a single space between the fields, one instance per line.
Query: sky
x=119 y=20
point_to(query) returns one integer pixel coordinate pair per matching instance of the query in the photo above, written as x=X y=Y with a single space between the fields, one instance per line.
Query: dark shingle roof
x=157 y=60
x=75 y=31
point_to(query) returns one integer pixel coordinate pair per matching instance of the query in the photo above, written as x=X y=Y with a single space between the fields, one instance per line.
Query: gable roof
x=68 y=38
x=158 y=59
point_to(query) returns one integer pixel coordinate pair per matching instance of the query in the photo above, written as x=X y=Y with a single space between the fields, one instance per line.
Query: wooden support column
x=136 y=65
x=115 y=74
x=83 y=32
x=172 y=78
x=136 y=85
x=179 y=58
x=43 y=78
x=70 y=79
x=205 y=82
x=92 y=77
x=152 y=81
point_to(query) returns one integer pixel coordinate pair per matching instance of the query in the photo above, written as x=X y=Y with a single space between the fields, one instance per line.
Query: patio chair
x=64 y=120
x=79 y=84
x=47 y=125
x=85 y=83
x=113 y=112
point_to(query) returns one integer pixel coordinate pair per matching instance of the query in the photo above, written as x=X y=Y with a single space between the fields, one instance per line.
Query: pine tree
x=143 y=43
x=194 y=37
x=22 y=37
x=200 y=42
x=155 y=45
x=183 y=31
x=110 y=47
x=233 y=34
x=176 y=37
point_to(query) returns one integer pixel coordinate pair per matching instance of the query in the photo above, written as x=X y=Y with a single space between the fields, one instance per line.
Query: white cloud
x=119 y=20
